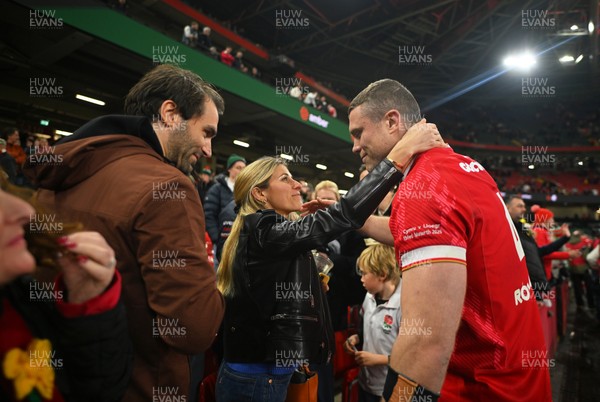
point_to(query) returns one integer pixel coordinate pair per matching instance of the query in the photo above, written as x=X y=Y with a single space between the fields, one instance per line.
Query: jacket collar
x=137 y=126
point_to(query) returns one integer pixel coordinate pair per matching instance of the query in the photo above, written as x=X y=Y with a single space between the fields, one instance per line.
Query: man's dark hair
x=513 y=197
x=168 y=82
x=8 y=131
x=384 y=95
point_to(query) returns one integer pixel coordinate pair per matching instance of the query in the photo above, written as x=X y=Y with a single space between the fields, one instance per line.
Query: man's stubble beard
x=179 y=149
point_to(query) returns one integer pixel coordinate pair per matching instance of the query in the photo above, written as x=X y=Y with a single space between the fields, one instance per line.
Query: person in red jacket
x=542 y=225
x=227 y=57
x=13 y=145
x=580 y=273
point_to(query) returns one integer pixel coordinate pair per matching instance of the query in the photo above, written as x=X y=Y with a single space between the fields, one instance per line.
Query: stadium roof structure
x=352 y=43
x=457 y=45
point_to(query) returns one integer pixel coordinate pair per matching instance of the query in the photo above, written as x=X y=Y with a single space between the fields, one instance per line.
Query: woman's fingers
x=91 y=245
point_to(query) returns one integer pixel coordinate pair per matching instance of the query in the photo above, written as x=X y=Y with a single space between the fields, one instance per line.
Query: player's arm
x=378 y=228
x=432 y=297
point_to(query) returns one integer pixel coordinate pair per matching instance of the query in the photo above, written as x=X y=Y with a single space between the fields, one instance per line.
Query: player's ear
x=392 y=120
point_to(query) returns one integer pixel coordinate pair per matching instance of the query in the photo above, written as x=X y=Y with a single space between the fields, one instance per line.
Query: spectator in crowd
x=255 y=73
x=296 y=91
x=227 y=57
x=238 y=62
x=226 y=219
x=381 y=316
x=322 y=103
x=268 y=250
x=29 y=144
x=204 y=42
x=127 y=177
x=534 y=254
x=65 y=339
x=543 y=226
x=8 y=164
x=212 y=52
x=221 y=194
x=581 y=277
x=593 y=258
x=190 y=34
x=205 y=182
x=331 y=110
x=14 y=149
x=13 y=145
x=453 y=221
x=311 y=99
x=327 y=190
x=306 y=190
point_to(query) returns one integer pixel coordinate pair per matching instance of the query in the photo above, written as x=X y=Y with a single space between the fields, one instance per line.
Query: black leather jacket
x=278 y=313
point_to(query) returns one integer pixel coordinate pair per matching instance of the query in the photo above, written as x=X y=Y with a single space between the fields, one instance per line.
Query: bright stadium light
x=61 y=132
x=574 y=27
x=322 y=167
x=348 y=174
x=344 y=192
x=241 y=143
x=90 y=100
x=580 y=163
x=522 y=62
x=567 y=59
x=579 y=58
x=288 y=157
x=531 y=167
x=591 y=27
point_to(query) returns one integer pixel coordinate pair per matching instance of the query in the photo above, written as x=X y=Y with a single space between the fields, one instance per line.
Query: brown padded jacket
x=119 y=184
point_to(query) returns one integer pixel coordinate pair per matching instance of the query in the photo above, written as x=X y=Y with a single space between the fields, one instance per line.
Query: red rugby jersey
x=448 y=208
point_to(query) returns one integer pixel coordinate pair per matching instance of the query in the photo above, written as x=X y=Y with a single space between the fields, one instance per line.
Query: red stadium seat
x=341 y=360
x=350 y=386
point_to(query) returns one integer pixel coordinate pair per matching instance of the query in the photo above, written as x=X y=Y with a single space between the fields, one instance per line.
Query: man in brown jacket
x=126 y=177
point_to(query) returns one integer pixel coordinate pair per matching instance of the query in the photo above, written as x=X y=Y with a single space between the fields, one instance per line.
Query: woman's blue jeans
x=233 y=386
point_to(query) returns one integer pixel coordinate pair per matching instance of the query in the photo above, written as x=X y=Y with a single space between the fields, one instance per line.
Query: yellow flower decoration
x=31 y=369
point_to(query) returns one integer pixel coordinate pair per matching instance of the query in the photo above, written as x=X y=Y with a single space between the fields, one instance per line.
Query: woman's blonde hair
x=256 y=174
x=328 y=185
x=380 y=260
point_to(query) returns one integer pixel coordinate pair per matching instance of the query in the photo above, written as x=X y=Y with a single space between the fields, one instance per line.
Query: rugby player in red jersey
x=470 y=326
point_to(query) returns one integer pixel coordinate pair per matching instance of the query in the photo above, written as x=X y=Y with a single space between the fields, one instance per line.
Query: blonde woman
x=277 y=317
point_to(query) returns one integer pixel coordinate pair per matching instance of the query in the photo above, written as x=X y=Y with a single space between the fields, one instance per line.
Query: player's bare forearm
x=378 y=228
x=432 y=301
x=422 y=359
